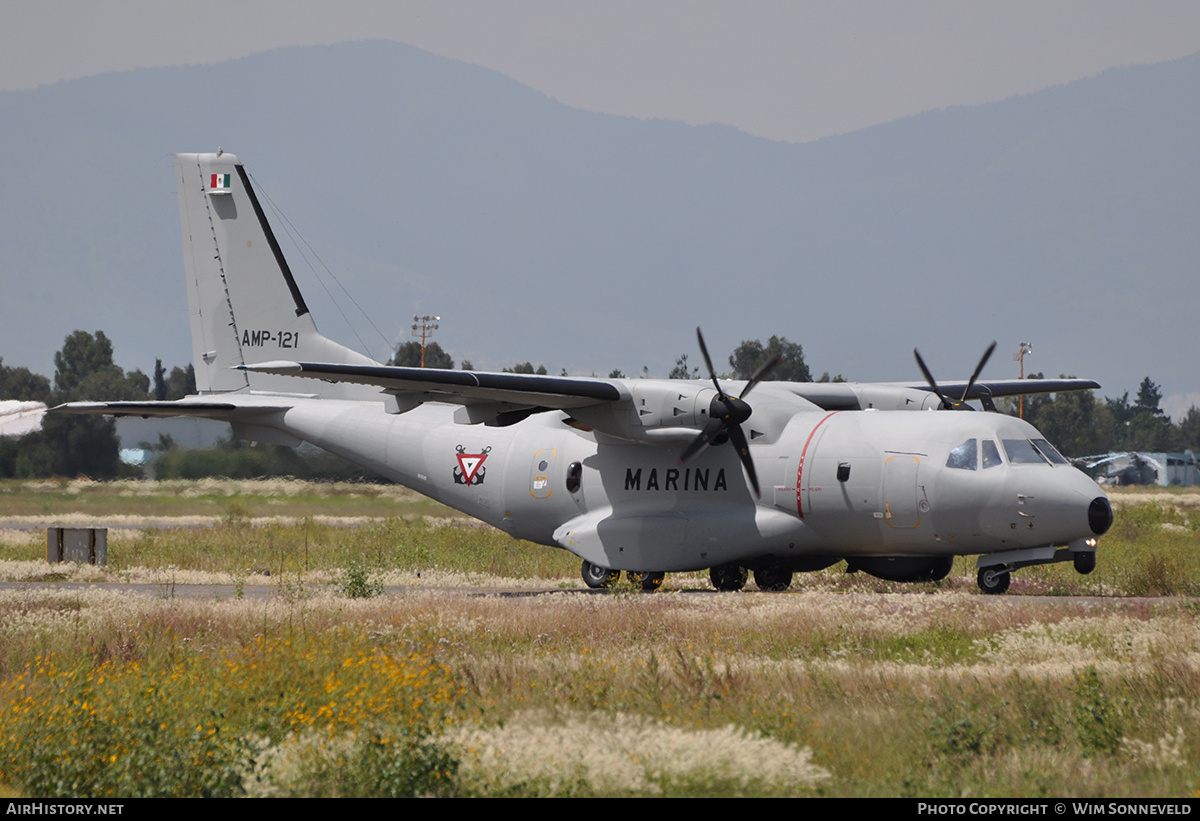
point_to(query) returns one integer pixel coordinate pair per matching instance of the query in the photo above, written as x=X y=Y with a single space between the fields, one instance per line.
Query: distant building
x=1180 y=469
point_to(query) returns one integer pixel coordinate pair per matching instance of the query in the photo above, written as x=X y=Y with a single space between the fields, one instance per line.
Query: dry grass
x=144 y=503
x=848 y=694
x=844 y=686
x=1181 y=497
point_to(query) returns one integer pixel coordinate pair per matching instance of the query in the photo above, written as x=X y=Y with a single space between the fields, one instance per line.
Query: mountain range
x=587 y=242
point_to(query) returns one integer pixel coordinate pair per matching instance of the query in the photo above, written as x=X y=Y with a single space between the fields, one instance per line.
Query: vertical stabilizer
x=244 y=305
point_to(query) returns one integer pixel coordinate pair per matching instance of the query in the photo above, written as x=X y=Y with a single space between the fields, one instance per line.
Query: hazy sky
x=792 y=71
x=785 y=70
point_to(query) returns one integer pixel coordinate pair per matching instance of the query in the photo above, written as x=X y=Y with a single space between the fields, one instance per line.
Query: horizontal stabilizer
x=198 y=410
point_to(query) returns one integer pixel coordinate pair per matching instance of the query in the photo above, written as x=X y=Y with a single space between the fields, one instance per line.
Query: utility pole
x=424 y=326
x=1019 y=356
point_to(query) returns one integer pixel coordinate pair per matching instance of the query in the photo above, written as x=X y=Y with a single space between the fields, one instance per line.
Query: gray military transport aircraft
x=644 y=476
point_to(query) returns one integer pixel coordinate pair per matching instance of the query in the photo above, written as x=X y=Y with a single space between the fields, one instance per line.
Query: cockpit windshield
x=963 y=456
x=1048 y=450
x=991 y=454
x=1025 y=452
x=967 y=456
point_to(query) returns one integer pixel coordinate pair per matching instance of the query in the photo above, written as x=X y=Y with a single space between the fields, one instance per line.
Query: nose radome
x=1100 y=515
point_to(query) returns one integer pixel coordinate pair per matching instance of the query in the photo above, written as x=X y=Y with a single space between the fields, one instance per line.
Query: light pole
x=1019 y=356
x=424 y=326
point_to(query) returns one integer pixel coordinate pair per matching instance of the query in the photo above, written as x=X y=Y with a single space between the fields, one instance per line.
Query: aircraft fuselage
x=835 y=484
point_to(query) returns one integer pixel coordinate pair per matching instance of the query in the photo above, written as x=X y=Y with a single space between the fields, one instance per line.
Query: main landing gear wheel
x=595 y=576
x=647 y=581
x=728 y=578
x=773 y=579
x=993 y=581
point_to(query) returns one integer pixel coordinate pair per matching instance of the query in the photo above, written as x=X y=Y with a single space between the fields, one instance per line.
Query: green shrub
x=357 y=583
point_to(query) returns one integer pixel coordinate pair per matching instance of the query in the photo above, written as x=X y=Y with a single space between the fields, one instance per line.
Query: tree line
x=1077 y=422
x=80 y=445
x=743 y=362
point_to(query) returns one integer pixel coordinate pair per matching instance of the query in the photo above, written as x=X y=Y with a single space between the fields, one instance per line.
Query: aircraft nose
x=1100 y=515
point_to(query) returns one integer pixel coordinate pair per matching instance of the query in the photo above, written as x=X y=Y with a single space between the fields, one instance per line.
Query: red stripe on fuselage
x=800 y=469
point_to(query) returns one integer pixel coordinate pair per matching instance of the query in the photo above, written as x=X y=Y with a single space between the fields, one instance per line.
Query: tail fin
x=244 y=305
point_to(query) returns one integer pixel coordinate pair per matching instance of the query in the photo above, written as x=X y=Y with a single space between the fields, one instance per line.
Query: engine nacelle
x=663 y=412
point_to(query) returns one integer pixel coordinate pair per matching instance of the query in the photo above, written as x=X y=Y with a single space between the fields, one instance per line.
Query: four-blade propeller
x=726 y=414
x=960 y=403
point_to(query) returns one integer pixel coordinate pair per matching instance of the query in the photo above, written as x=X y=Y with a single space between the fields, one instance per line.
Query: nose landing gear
x=995 y=569
x=992 y=580
x=1085 y=562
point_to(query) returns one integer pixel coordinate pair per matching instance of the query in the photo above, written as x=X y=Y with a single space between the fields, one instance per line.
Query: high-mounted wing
x=1017 y=387
x=511 y=390
x=919 y=395
x=670 y=413
x=931 y=394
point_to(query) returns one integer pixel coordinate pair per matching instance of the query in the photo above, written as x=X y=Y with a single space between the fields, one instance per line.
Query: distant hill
x=590 y=242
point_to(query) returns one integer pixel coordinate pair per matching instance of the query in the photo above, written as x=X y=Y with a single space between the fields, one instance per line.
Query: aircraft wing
x=918 y=395
x=460 y=387
x=1013 y=387
x=515 y=390
x=567 y=392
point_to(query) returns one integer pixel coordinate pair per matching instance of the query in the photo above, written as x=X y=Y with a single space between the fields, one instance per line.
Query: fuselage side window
x=574 y=476
x=963 y=456
x=991 y=454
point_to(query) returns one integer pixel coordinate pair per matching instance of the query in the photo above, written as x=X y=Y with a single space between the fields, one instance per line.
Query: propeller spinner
x=726 y=414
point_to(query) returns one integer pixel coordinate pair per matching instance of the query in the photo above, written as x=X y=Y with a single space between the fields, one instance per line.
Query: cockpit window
x=1049 y=452
x=963 y=456
x=991 y=454
x=1022 y=452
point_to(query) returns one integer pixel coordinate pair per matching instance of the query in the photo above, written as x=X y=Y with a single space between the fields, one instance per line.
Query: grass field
x=845 y=685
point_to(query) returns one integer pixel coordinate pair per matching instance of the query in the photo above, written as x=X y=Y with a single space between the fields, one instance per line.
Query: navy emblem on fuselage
x=470 y=470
